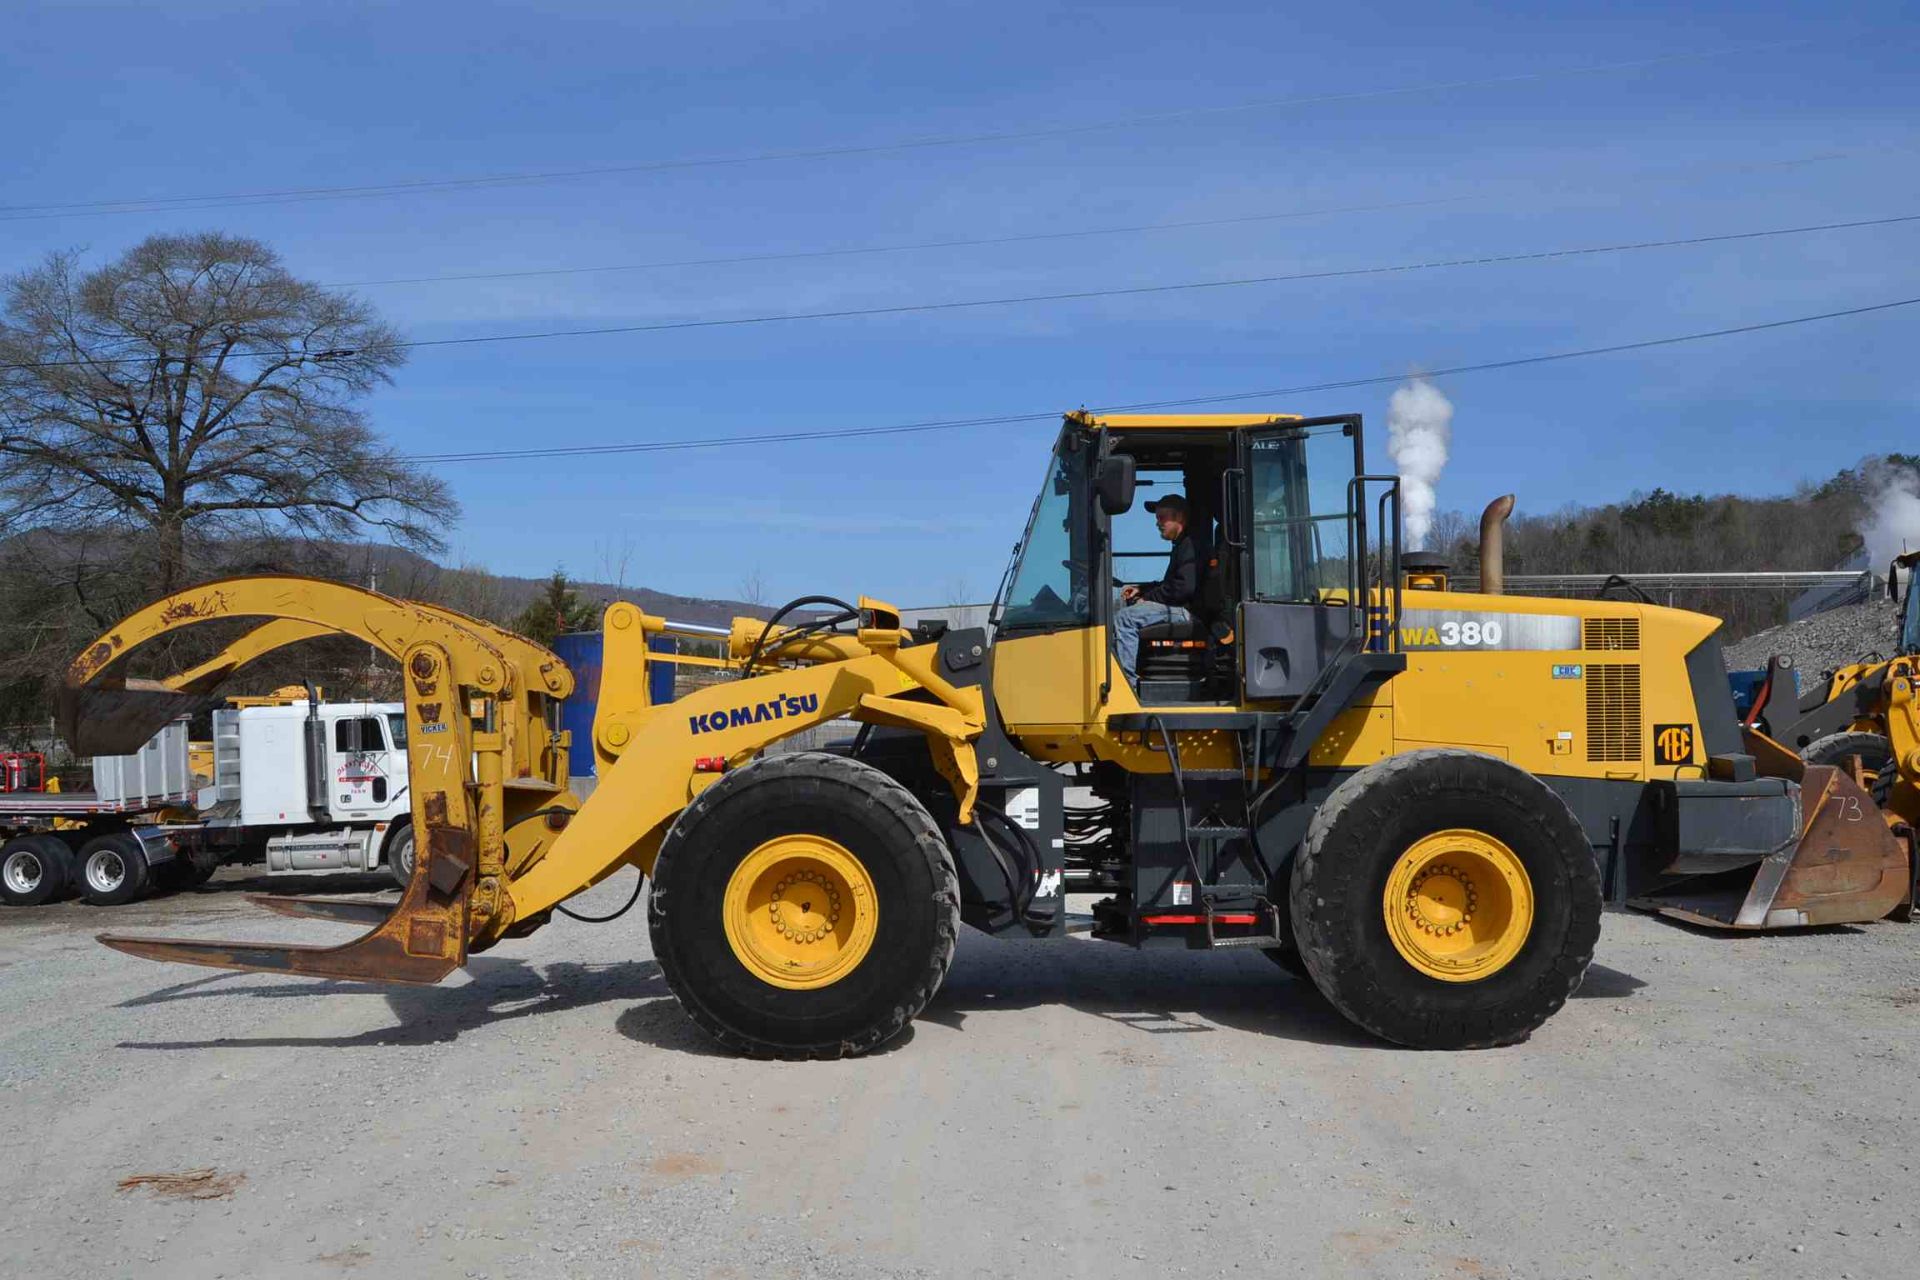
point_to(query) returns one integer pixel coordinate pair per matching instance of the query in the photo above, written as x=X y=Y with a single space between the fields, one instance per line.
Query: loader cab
x=1900 y=576
x=1275 y=504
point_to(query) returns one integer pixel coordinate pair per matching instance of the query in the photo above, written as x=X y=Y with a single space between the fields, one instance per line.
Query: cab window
x=360 y=733
x=1139 y=552
x=1051 y=584
x=1300 y=534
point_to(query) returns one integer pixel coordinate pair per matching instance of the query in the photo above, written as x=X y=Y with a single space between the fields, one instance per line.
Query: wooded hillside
x=1818 y=527
x=58 y=591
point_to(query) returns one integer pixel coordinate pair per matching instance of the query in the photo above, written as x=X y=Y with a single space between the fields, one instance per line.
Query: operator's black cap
x=1174 y=501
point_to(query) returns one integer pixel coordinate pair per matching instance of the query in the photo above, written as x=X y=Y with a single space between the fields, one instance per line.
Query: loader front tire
x=805 y=906
x=1444 y=899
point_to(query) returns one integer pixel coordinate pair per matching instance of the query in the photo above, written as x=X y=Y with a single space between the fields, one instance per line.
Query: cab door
x=361 y=765
x=1298 y=528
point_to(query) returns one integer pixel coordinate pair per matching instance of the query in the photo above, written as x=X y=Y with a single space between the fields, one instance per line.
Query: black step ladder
x=1212 y=834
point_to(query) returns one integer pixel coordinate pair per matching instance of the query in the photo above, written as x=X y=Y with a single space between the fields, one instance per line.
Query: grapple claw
x=421 y=940
x=363 y=911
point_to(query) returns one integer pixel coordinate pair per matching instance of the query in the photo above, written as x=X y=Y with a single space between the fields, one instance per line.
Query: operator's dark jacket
x=1185 y=566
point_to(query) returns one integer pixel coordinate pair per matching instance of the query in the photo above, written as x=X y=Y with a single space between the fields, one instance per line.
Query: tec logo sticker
x=1673 y=744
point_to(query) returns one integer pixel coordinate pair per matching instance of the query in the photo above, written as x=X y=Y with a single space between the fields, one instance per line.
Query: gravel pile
x=1824 y=641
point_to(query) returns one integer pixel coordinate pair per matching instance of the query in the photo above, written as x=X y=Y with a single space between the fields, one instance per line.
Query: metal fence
x=42 y=736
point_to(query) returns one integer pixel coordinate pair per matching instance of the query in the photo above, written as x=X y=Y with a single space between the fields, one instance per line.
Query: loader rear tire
x=820 y=864
x=1464 y=821
x=34 y=870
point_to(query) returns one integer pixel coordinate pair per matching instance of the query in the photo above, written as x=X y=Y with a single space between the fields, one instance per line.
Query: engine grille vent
x=1613 y=711
x=1610 y=633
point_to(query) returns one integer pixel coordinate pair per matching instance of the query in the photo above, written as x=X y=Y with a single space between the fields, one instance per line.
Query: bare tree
x=753 y=587
x=194 y=389
x=1450 y=530
x=616 y=558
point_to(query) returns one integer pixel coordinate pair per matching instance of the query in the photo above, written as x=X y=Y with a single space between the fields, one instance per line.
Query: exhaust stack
x=1493 y=546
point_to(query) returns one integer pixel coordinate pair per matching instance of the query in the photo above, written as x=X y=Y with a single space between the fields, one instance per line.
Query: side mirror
x=1893 y=582
x=1113 y=480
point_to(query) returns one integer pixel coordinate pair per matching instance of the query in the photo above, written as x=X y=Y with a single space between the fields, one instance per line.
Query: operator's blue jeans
x=1127 y=621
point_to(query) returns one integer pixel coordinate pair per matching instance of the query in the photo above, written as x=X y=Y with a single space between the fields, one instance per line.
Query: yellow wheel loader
x=1419 y=798
x=1845 y=717
x=1862 y=716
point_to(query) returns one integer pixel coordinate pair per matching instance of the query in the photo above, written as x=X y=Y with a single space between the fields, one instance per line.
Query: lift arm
x=653 y=760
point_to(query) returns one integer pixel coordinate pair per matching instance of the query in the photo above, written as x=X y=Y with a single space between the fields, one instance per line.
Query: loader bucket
x=1847 y=867
x=117 y=720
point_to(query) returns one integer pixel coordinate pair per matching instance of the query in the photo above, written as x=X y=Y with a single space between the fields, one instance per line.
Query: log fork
x=499 y=838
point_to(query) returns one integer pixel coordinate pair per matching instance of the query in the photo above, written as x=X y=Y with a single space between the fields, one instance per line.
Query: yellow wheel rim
x=1458 y=905
x=800 y=912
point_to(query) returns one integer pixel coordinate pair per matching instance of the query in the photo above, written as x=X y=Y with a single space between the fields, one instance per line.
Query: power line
x=1692 y=174
x=1078 y=295
x=949 y=424
x=801 y=254
x=288 y=195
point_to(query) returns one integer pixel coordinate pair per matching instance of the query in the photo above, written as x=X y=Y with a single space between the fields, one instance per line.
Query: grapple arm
x=476 y=700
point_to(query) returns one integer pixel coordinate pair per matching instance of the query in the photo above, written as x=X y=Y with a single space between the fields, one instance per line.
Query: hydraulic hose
x=846 y=613
x=638 y=884
x=1021 y=902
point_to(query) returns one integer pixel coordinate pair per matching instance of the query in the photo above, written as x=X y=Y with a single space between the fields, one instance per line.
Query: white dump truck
x=305 y=787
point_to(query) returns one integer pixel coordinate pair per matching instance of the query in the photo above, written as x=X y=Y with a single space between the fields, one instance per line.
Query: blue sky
x=1818 y=125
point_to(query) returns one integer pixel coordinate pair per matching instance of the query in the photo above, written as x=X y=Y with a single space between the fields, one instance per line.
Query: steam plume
x=1419 y=431
x=1892 y=520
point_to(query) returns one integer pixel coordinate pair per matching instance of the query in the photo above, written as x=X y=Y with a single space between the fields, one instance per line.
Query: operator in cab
x=1173 y=597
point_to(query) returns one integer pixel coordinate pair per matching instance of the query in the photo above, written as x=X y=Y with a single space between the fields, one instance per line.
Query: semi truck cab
x=314 y=786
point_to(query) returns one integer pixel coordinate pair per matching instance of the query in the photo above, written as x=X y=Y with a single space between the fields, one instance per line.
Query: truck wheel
x=1444 y=899
x=805 y=906
x=113 y=870
x=33 y=870
x=1874 y=750
x=400 y=855
x=187 y=869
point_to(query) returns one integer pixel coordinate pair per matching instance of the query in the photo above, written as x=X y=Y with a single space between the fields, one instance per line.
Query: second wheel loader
x=1845 y=716
x=1862 y=718
x=1420 y=798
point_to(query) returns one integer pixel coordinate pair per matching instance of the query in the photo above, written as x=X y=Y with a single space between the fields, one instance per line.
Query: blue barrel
x=1746 y=687
x=583 y=652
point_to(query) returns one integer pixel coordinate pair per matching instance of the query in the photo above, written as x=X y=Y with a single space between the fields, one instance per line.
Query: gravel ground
x=1708 y=1105
x=1824 y=641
